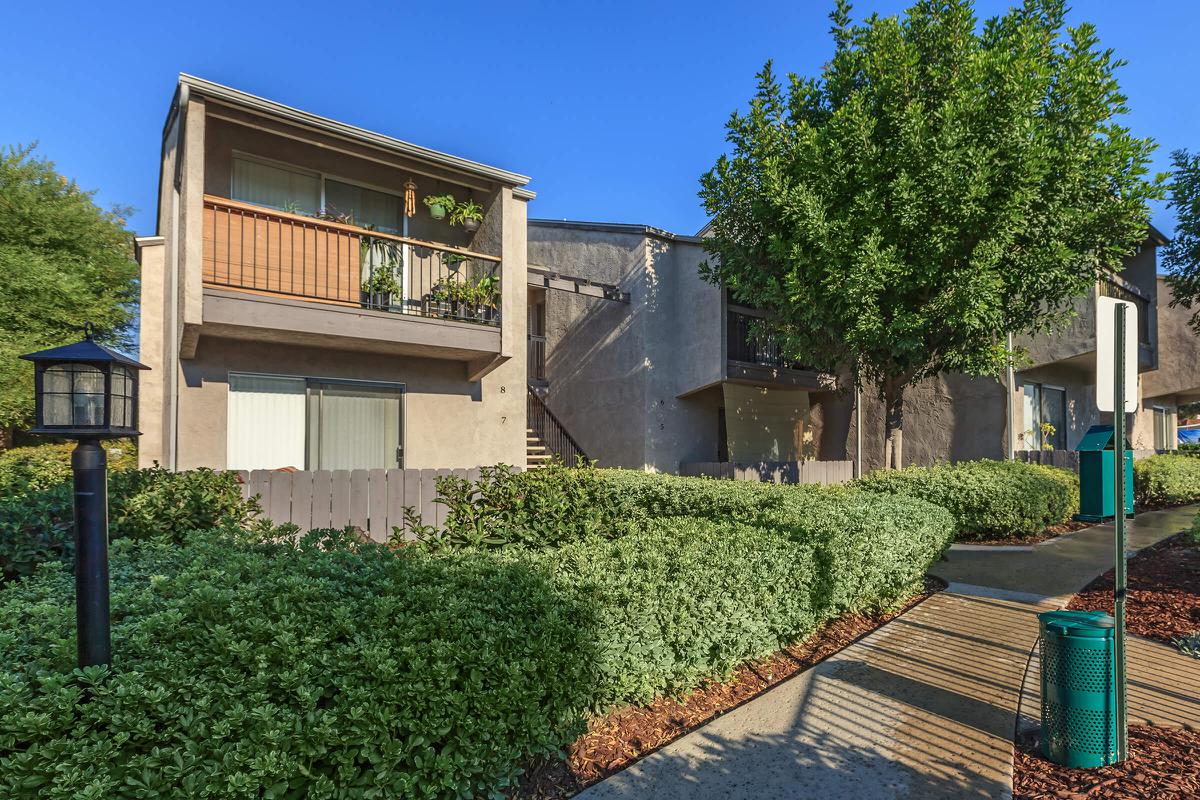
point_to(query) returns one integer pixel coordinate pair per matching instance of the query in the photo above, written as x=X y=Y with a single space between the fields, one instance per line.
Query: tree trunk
x=6 y=437
x=893 y=404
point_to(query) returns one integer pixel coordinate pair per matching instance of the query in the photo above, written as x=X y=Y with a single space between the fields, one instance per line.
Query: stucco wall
x=449 y=421
x=1177 y=379
x=617 y=371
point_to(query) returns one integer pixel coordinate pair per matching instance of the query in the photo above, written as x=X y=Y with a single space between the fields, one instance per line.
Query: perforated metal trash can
x=1079 y=703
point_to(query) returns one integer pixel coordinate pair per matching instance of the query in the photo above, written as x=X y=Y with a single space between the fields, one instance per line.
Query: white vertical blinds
x=359 y=428
x=266 y=422
x=275 y=187
x=274 y=420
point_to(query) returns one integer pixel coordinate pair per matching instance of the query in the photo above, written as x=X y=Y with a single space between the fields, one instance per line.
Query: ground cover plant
x=1167 y=480
x=989 y=499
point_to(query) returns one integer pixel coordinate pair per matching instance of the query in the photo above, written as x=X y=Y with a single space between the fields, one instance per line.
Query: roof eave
x=236 y=97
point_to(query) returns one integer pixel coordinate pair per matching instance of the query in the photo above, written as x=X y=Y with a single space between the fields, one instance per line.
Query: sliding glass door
x=353 y=427
x=280 y=422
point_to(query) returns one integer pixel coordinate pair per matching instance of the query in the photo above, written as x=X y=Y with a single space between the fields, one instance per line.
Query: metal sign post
x=1119 y=402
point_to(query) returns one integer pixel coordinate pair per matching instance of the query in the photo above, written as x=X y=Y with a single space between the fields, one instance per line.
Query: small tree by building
x=940 y=185
x=64 y=262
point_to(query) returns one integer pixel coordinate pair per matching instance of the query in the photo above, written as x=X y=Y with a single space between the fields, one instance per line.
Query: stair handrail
x=539 y=414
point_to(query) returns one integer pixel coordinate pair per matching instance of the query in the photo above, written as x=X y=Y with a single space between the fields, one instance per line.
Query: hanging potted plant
x=380 y=287
x=439 y=204
x=468 y=214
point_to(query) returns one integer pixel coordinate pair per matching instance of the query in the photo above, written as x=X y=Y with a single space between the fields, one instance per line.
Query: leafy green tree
x=64 y=262
x=1181 y=257
x=940 y=185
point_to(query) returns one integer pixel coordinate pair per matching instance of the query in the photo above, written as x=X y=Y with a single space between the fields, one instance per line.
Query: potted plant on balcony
x=380 y=287
x=468 y=214
x=437 y=302
x=439 y=204
x=487 y=296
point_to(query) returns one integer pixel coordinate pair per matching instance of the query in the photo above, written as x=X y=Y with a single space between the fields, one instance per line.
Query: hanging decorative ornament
x=410 y=198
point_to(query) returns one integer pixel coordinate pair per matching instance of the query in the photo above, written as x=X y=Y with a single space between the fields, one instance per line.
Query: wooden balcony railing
x=257 y=249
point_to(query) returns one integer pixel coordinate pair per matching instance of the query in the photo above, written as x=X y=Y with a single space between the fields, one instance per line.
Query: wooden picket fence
x=824 y=472
x=371 y=500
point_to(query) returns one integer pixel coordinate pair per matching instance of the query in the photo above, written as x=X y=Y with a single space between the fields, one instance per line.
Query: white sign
x=1106 y=348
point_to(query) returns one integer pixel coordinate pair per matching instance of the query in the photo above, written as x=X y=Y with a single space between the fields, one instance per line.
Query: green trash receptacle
x=1097 y=475
x=1079 y=701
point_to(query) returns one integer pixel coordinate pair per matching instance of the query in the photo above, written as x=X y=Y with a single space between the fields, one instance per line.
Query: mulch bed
x=1163 y=602
x=1163 y=764
x=1069 y=526
x=617 y=739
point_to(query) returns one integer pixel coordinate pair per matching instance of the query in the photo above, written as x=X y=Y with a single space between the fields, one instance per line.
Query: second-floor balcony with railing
x=330 y=260
x=748 y=341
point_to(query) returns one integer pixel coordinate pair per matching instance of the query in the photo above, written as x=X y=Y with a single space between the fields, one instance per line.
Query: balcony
x=754 y=355
x=270 y=274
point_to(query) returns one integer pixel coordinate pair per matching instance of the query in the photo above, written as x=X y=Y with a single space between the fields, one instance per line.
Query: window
x=367 y=207
x=276 y=422
x=1162 y=429
x=275 y=186
x=1045 y=417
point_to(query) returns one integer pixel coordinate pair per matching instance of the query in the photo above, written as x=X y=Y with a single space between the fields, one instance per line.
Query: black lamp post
x=87 y=392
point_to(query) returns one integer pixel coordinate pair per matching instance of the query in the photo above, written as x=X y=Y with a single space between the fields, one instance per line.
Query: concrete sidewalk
x=926 y=706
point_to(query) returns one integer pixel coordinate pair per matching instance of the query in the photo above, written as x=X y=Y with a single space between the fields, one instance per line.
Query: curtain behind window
x=378 y=210
x=352 y=427
x=275 y=187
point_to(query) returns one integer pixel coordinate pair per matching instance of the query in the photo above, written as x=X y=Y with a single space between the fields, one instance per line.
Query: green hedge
x=1167 y=480
x=689 y=599
x=320 y=670
x=331 y=668
x=988 y=498
x=36 y=525
x=34 y=469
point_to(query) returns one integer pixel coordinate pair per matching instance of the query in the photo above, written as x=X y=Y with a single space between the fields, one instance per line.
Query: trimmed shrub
x=34 y=469
x=689 y=599
x=1167 y=480
x=325 y=669
x=542 y=507
x=988 y=498
x=37 y=526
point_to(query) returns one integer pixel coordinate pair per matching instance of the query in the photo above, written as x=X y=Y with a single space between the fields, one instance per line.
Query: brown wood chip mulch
x=1163 y=764
x=617 y=739
x=1163 y=603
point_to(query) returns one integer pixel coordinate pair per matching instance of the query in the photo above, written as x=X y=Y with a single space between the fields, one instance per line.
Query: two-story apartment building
x=303 y=306
x=682 y=374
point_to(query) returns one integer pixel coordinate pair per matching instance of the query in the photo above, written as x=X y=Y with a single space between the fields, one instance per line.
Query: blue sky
x=614 y=109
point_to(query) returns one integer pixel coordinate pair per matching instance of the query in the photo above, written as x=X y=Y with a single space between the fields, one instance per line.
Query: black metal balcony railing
x=274 y=252
x=1115 y=290
x=747 y=342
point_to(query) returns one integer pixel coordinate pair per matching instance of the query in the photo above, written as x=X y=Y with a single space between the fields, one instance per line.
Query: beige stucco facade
x=460 y=383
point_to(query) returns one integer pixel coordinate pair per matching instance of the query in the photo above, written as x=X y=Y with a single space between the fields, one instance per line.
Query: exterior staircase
x=536 y=452
x=546 y=438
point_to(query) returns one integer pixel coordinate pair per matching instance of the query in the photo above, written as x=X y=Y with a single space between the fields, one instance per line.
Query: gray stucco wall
x=617 y=371
x=1177 y=379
